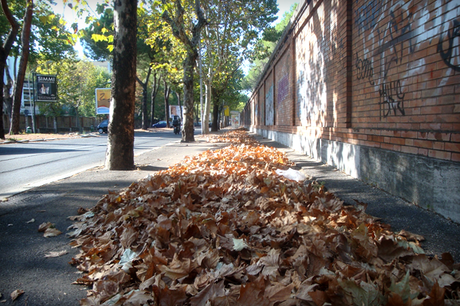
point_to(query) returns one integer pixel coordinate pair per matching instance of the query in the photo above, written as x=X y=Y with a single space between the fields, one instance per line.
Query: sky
x=284 y=6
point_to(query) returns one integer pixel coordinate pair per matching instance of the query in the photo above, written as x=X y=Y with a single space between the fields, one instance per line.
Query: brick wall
x=381 y=75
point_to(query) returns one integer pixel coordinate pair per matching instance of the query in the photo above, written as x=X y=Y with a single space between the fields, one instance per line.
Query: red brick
x=398 y=141
x=455 y=137
x=439 y=136
x=409 y=142
x=451 y=146
x=407 y=149
x=456 y=157
x=438 y=145
x=409 y=134
x=423 y=152
x=423 y=144
x=440 y=154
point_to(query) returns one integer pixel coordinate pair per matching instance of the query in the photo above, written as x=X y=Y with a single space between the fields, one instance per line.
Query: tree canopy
x=264 y=48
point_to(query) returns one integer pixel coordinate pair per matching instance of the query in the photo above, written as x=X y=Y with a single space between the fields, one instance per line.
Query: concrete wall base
x=430 y=183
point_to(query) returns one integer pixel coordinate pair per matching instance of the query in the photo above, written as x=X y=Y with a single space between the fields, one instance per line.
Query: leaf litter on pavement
x=223 y=228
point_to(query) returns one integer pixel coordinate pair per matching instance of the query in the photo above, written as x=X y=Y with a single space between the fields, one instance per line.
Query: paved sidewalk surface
x=48 y=281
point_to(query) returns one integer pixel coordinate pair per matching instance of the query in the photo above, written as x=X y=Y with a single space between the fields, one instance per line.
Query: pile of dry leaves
x=223 y=228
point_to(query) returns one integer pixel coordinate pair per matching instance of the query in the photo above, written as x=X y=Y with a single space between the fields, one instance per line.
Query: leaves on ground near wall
x=16 y=293
x=223 y=228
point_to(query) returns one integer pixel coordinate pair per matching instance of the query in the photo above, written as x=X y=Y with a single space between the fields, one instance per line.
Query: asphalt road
x=29 y=165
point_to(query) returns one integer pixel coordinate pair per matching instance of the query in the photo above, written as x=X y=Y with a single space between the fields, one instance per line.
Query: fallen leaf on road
x=44 y=226
x=51 y=232
x=55 y=254
x=16 y=293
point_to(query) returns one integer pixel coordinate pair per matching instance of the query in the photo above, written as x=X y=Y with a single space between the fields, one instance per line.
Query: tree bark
x=144 y=85
x=4 y=52
x=7 y=97
x=167 y=91
x=19 y=84
x=120 y=147
x=155 y=87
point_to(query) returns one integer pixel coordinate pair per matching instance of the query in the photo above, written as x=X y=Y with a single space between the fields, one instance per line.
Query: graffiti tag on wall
x=269 y=107
x=366 y=15
x=451 y=54
x=391 y=99
x=364 y=69
x=262 y=106
x=388 y=26
x=283 y=88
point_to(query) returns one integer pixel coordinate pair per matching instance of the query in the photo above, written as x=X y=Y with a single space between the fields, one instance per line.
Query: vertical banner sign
x=46 y=88
x=226 y=110
x=103 y=96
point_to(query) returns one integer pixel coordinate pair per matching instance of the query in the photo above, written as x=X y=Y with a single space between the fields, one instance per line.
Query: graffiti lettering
x=450 y=58
x=391 y=99
x=283 y=88
x=364 y=69
x=269 y=107
x=399 y=30
x=366 y=15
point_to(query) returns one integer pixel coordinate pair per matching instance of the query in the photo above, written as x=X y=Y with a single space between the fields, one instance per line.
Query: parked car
x=160 y=124
x=102 y=127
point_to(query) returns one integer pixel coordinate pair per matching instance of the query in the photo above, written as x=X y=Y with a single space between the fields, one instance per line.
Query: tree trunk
x=4 y=52
x=207 y=106
x=144 y=85
x=167 y=91
x=19 y=84
x=155 y=87
x=7 y=97
x=189 y=66
x=215 y=115
x=120 y=147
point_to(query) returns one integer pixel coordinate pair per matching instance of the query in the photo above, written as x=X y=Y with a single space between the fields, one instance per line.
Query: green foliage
x=263 y=50
x=77 y=81
x=98 y=36
x=49 y=38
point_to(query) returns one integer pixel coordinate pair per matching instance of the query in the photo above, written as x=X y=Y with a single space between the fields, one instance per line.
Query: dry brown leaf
x=16 y=293
x=44 y=226
x=51 y=232
x=55 y=254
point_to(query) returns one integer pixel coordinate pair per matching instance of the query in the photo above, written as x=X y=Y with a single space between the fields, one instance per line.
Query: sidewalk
x=48 y=281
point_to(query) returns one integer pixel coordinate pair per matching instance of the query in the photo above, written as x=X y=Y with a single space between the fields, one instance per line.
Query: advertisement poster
x=103 y=96
x=235 y=119
x=46 y=88
x=174 y=110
